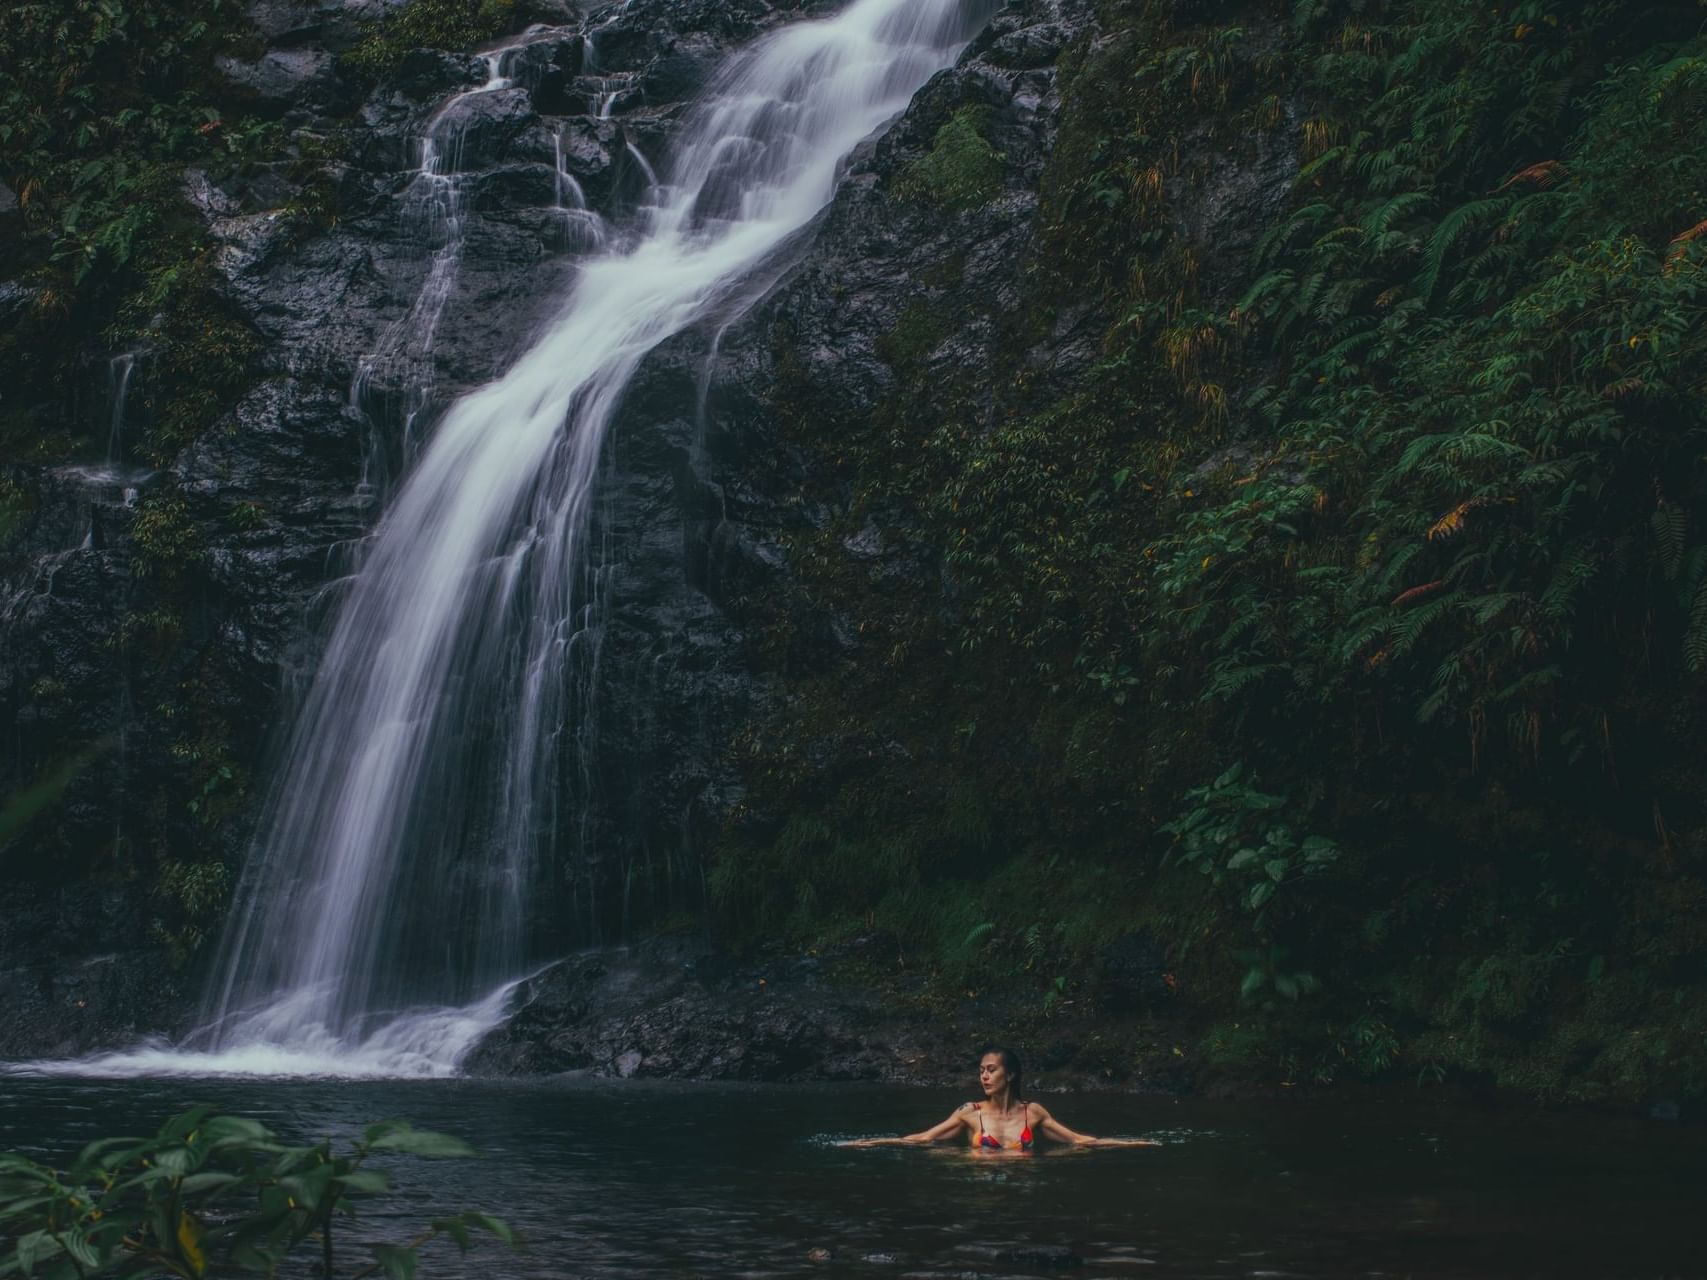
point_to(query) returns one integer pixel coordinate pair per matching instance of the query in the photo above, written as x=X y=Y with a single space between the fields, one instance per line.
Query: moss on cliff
x=429 y=24
x=960 y=171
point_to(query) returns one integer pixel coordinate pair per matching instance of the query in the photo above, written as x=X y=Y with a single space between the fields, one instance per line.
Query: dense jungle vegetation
x=1346 y=635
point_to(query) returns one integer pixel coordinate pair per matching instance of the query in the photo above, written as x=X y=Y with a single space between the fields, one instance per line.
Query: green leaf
x=148 y=1177
x=1243 y=858
x=1277 y=868
x=1261 y=892
x=366 y=1182
x=1232 y=774
x=421 y=1142
x=222 y=1131
x=497 y=1226
x=396 y=1262
x=177 y=1161
x=199 y=1182
x=94 y=1149
x=180 y=1127
x=76 y=1243
x=308 y=1188
x=456 y=1229
x=1318 y=849
x=30 y=1247
x=374 y=1132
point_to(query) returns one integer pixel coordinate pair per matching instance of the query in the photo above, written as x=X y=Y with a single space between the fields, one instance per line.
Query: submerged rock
x=1054 y=1257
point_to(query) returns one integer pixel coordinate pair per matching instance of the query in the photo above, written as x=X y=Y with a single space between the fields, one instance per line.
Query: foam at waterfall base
x=276 y=1043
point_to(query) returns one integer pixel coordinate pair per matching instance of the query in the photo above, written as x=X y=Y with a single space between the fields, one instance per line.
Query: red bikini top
x=989 y=1141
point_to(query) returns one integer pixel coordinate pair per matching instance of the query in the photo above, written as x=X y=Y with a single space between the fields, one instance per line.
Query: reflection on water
x=627 y=1179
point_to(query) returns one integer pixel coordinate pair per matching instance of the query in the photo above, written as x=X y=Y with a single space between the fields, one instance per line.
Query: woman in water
x=1003 y=1121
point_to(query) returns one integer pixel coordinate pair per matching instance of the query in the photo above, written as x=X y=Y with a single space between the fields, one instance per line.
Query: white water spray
x=387 y=898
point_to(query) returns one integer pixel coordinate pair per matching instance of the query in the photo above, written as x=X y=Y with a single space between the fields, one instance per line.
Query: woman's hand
x=1120 y=1142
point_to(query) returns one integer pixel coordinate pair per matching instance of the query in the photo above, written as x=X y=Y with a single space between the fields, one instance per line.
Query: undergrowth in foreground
x=214 y=1195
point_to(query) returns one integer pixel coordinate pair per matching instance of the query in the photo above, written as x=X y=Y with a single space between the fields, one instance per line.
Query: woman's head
x=998 y=1069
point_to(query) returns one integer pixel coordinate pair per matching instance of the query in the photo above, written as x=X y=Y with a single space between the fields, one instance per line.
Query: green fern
x=1695 y=637
x=1669 y=526
x=1456 y=224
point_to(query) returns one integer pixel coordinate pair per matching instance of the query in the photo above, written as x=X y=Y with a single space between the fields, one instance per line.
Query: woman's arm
x=1050 y=1127
x=936 y=1133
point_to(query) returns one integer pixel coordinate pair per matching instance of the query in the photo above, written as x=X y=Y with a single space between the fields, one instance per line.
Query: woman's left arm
x=1050 y=1127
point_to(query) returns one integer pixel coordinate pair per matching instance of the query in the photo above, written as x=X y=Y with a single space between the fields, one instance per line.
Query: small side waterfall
x=433 y=212
x=119 y=370
x=384 y=913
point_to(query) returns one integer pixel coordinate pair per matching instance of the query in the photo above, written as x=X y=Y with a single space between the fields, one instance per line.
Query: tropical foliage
x=103 y=105
x=213 y=1195
x=1351 y=618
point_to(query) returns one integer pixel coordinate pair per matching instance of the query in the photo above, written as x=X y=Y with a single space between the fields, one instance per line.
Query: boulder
x=282 y=79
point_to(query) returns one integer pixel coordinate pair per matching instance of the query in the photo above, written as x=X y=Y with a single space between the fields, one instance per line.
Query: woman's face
x=992 y=1074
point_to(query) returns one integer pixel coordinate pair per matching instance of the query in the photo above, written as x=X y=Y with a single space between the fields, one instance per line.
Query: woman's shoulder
x=1036 y=1111
x=968 y=1106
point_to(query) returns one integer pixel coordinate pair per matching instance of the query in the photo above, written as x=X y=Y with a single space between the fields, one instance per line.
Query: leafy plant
x=209 y=1194
x=1272 y=971
x=1233 y=833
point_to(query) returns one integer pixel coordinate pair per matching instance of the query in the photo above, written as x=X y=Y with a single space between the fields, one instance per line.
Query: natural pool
x=614 y=1179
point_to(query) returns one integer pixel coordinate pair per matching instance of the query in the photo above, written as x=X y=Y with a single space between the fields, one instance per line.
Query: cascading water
x=401 y=842
x=119 y=370
x=432 y=209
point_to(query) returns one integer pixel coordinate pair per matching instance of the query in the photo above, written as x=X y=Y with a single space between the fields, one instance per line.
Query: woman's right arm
x=936 y=1133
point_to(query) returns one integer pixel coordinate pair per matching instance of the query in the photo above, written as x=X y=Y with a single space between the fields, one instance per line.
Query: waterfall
x=119 y=369
x=383 y=914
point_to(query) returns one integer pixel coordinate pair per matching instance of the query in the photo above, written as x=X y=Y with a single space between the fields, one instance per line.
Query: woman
x=1003 y=1121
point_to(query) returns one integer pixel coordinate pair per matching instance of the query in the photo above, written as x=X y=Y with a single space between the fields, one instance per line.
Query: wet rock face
x=81 y=1002
x=663 y=1012
x=670 y=1008
x=282 y=79
x=701 y=487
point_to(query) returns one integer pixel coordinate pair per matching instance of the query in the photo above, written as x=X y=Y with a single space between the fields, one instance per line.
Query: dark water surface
x=630 y=1179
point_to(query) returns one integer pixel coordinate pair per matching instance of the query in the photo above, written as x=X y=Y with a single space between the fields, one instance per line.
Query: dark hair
x=1010 y=1061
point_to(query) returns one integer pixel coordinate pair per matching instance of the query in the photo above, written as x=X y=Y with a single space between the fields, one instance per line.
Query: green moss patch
x=961 y=170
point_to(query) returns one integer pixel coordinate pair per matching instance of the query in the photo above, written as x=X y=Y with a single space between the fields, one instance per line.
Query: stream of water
x=627 y=1179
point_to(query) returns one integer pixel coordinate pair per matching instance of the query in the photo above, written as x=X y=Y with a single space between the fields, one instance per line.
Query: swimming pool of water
x=613 y=1179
